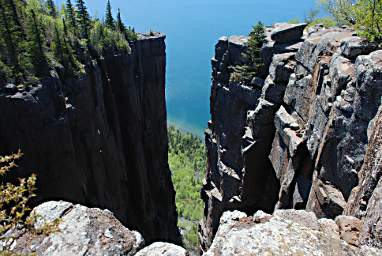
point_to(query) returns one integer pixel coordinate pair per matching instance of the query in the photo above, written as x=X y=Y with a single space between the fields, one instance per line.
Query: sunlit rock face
x=100 y=140
x=287 y=232
x=296 y=137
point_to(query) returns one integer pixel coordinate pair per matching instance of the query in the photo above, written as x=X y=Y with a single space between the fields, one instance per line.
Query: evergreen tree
x=52 y=8
x=109 y=20
x=37 y=55
x=9 y=34
x=83 y=18
x=246 y=73
x=16 y=17
x=70 y=15
x=57 y=47
x=120 y=26
x=255 y=42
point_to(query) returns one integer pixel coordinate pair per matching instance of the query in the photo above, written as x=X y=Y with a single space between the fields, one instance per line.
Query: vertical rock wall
x=100 y=140
x=296 y=136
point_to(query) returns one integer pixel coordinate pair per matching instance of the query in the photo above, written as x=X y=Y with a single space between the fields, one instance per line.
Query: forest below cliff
x=187 y=160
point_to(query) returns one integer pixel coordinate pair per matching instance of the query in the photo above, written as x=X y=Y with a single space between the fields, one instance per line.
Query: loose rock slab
x=286 y=33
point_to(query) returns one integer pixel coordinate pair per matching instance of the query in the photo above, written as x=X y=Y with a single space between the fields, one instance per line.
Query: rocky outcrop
x=297 y=135
x=286 y=232
x=100 y=140
x=62 y=228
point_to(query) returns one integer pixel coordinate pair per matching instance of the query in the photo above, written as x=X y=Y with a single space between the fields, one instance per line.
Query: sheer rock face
x=100 y=140
x=296 y=136
x=286 y=232
x=61 y=228
x=365 y=199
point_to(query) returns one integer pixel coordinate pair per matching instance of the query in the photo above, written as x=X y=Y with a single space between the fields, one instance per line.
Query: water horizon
x=192 y=29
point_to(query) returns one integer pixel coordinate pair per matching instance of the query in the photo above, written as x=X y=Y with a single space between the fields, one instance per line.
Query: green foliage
x=256 y=40
x=129 y=32
x=368 y=16
x=14 y=46
x=36 y=45
x=342 y=11
x=51 y=8
x=109 y=20
x=83 y=19
x=14 y=199
x=70 y=15
x=187 y=160
x=120 y=25
x=327 y=22
x=104 y=38
x=37 y=37
x=364 y=15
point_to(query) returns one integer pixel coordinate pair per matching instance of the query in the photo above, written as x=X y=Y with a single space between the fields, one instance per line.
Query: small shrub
x=368 y=16
x=14 y=199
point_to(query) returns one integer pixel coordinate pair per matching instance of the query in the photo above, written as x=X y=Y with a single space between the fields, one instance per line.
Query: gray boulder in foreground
x=62 y=228
x=286 y=232
x=162 y=249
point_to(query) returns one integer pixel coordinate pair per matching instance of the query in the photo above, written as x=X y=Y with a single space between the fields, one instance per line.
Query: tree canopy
x=364 y=15
x=36 y=36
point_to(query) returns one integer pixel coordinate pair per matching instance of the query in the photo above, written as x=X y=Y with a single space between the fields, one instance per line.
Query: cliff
x=297 y=135
x=100 y=140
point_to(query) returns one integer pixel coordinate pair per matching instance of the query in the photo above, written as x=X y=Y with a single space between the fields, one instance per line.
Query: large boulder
x=352 y=47
x=62 y=228
x=286 y=33
x=287 y=232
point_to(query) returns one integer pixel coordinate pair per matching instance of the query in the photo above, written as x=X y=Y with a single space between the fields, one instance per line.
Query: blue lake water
x=192 y=28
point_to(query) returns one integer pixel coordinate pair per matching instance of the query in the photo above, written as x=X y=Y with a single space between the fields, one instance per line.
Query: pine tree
x=71 y=16
x=10 y=39
x=16 y=18
x=83 y=18
x=109 y=20
x=120 y=26
x=245 y=73
x=37 y=55
x=52 y=8
x=57 y=46
x=255 y=42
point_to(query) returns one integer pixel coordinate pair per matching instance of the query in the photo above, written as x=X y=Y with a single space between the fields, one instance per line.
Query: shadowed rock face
x=100 y=140
x=297 y=135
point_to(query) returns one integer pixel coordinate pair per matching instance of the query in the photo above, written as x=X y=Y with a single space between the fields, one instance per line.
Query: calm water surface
x=192 y=28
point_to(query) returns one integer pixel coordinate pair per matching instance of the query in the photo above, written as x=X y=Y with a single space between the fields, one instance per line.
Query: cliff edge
x=100 y=140
x=302 y=135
